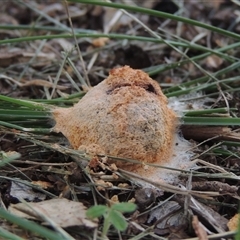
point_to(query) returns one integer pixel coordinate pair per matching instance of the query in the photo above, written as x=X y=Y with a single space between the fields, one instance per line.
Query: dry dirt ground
x=27 y=71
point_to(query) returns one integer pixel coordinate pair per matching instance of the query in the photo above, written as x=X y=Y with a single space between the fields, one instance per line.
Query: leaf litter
x=214 y=202
x=63 y=212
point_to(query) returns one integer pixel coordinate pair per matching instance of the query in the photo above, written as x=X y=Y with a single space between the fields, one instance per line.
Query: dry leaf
x=233 y=223
x=22 y=191
x=63 y=212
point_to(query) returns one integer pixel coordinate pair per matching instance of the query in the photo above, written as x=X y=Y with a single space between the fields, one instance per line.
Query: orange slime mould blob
x=127 y=116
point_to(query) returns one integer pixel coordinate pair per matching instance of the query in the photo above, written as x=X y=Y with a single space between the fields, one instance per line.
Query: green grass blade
x=30 y=226
x=160 y=14
x=208 y=111
x=182 y=43
x=6 y=158
x=46 y=28
x=25 y=103
x=123 y=36
x=14 y=126
x=213 y=121
x=6 y=114
x=184 y=88
x=110 y=35
x=8 y=235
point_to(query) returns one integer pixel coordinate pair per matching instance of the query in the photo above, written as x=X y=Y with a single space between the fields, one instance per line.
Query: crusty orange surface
x=126 y=115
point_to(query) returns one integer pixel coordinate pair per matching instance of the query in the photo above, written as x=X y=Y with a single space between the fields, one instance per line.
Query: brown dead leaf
x=63 y=212
x=198 y=228
x=233 y=223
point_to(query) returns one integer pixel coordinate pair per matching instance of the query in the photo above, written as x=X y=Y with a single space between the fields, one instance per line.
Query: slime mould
x=126 y=115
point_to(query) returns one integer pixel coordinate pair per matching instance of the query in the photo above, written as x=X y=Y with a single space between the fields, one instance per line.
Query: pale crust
x=126 y=115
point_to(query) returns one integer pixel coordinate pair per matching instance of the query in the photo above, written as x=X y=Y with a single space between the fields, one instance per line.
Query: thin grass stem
x=160 y=14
